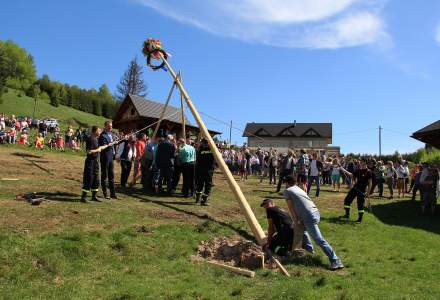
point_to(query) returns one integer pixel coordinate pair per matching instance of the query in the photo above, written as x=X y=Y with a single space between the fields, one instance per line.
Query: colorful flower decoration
x=152 y=50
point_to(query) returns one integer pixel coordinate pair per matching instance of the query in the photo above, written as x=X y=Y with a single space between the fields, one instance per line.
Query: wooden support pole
x=242 y=202
x=182 y=111
x=244 y=205
x=162 y=114
x=241 y=271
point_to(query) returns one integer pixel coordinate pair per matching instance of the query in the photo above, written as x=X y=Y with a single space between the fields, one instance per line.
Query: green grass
x=24 y=106
x=63 y=249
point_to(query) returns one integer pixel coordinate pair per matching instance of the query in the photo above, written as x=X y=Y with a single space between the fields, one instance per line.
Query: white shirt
x=131 y=152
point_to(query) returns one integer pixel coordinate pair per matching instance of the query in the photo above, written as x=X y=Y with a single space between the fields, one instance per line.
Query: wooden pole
x=242 y=202
x=244 y=205
x=182 y=111
x=163 y=111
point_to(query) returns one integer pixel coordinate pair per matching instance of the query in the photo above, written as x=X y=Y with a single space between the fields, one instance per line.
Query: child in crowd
x=23 y=139
x=39 y=142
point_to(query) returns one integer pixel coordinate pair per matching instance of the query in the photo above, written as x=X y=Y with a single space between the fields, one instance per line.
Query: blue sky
x=356 y=63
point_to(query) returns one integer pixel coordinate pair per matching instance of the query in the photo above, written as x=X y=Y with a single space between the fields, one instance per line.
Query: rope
x=146 y=127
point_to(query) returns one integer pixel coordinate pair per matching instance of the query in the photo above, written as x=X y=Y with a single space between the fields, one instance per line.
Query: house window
x=132 y=111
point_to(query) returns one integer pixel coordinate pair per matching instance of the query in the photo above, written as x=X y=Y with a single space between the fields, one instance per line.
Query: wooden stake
x=162 y=114
x=232 y=269
x=242 y=202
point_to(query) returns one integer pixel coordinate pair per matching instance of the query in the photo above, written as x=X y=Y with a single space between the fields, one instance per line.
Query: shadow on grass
x=307 y=260
x=170 y=205
x=31 y=158
x=406 y=213
x=23 y=155
x=338 y=220
x=60 y=196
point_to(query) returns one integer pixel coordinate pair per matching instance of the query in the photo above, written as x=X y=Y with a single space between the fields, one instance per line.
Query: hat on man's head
x=266 y=201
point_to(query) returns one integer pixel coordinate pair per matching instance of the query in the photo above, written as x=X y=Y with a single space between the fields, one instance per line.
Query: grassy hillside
x=24 y=106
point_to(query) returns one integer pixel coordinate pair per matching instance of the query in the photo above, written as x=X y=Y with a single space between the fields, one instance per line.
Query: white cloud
x=315 y=24
x=437 y=34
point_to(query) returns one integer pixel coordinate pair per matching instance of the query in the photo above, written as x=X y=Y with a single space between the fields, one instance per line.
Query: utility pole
x=380 y=141
x=230 y=134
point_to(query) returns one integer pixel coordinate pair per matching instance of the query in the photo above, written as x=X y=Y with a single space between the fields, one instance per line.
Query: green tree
x=132 y=81
x=17 y=68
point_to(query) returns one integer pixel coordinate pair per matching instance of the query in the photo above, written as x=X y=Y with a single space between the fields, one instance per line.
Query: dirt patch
x=235 y=251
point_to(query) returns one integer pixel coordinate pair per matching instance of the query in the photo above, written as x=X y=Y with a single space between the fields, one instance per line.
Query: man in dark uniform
x=363 y=180
x=106 y=157
x=91 y=166
x=205 y=164
x=165 y=162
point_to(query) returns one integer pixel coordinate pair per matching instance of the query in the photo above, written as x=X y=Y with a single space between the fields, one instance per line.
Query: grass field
x=64 y=249
x=24 y=106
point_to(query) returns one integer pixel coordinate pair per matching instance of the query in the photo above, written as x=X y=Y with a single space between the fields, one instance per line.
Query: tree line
x=18 y=71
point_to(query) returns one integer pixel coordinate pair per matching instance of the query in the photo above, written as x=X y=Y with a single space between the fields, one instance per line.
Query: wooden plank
x=236 y=270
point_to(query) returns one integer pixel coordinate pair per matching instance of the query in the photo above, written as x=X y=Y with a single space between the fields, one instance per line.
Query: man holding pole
x=305 y=215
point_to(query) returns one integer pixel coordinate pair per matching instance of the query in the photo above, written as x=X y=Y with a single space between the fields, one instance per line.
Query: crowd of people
x=158 y=163
x=16 y=130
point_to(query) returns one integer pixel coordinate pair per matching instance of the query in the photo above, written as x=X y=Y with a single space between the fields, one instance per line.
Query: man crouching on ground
x=280 y=231
x=305 y=215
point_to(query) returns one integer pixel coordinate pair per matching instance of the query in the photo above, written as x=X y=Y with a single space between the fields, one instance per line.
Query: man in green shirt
x=187 y=155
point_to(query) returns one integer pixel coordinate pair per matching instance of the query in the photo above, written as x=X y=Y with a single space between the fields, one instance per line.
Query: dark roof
x=152 y=109
x=289 y=129
x=430 y=127
x=429 y=134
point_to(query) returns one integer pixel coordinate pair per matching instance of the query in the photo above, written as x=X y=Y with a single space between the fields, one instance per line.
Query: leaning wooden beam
x=244 y=205
x=232 y=269
x=162 y=114
x=182 y=111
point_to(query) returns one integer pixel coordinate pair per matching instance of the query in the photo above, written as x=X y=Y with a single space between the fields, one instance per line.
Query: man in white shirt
x=306 y=216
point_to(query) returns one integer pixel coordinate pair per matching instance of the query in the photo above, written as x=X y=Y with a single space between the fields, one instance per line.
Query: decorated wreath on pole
x=152 y=50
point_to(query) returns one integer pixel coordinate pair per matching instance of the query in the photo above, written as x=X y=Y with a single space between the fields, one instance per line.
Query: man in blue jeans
x=315 y=174
x=305 y=215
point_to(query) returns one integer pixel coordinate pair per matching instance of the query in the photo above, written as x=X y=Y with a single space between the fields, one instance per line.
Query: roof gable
x=321 y=130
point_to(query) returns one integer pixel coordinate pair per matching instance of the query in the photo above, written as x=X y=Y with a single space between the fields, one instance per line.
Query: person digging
x=306 y=217
x=280 y=235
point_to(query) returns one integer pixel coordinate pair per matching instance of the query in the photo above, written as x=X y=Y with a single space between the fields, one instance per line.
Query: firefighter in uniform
x=361 y=189
x=91 y=166
x=205 y=165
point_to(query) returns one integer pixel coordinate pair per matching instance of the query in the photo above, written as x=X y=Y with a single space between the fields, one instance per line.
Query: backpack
x=303 y=164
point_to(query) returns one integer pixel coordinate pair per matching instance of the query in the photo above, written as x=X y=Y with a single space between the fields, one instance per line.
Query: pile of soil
x=234 y=251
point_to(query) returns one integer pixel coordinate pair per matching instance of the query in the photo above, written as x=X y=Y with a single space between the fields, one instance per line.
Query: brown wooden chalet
x=294 y=135
x=136 y=113
x=429 y=135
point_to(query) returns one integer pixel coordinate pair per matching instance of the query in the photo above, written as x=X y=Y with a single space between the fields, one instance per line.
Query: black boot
x=84 y=197
x=347 y=214
x=111 y=186
x=204 y=200
x=95 y=197
x=359 y=220
x=197 y=197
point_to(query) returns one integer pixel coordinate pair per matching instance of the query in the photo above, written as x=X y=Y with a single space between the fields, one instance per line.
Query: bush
x=431 y=157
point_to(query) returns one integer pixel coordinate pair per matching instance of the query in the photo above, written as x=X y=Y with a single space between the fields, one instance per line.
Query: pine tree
x=132 y=81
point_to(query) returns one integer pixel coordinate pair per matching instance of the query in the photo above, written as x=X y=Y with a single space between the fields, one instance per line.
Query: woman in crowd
x=336 y=171
x=401 y=175
x=390 y=173
x=12 y=136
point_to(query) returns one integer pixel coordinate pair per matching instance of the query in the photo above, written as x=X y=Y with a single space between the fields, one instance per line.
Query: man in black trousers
x=107 y=156
x=165 y=162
